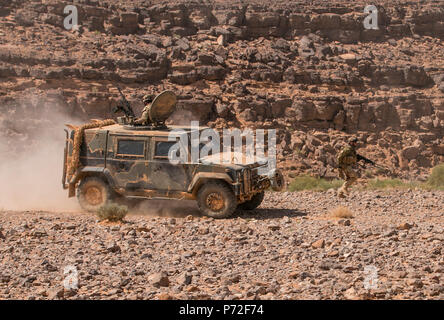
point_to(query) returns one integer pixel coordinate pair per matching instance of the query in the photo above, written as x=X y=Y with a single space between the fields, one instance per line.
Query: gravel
x=289 y=248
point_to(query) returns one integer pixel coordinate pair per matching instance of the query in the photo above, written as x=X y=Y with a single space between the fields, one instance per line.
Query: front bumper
x=251 y=182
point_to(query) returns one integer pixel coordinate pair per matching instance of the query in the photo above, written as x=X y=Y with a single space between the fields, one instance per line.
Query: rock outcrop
x=305 y=69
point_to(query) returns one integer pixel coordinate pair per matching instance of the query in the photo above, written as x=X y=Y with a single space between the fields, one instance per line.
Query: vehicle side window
x=133 y=148
x=162 y=149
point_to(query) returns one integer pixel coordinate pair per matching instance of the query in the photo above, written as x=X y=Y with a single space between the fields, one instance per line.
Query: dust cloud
x=31 y=163
x=182 y=117
x=165 y=208
x=32 y=140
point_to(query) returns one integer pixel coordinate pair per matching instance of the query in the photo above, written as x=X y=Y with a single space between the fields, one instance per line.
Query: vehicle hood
x=237 y=159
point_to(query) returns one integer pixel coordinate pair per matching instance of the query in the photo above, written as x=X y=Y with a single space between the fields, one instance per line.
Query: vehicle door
x=164 y=175
x=127 y=161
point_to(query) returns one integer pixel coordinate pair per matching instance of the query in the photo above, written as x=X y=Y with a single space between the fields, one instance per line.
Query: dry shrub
x=112 y=212
x=436 y=178
x=341 y=212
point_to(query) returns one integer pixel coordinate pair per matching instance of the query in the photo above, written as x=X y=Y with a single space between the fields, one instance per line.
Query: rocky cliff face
x=310 y=70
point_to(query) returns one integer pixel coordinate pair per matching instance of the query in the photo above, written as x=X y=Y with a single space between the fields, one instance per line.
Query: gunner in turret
x=145 y=117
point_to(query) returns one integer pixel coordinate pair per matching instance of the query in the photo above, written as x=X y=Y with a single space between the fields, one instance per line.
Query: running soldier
x=347 y=160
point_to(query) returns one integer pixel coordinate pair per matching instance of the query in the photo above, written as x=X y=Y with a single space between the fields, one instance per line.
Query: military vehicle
x=106 y=161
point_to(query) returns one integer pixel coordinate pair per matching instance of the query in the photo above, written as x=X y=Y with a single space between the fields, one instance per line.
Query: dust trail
x=182 y=117
x=31 y=161
x=32 y=140
x=166 y=208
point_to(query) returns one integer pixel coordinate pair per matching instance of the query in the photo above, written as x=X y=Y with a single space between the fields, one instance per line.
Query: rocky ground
x=289 y=248
x=308 y=69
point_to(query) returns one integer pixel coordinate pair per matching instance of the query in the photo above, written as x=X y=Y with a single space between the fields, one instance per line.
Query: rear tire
x=216 y=200
x=93 y=193
x=254 y=202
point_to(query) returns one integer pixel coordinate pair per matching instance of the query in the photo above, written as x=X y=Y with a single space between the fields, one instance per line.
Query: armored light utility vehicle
x=105 y=160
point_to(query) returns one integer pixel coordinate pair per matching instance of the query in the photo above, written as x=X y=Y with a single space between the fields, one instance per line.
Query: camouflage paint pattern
x=148 y=176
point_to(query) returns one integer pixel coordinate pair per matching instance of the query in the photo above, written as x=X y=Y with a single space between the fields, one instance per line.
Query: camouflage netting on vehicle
x=78 y=138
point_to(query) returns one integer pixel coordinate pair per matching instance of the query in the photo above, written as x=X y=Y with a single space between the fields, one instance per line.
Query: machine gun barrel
x=366 y=159
x=125 y=107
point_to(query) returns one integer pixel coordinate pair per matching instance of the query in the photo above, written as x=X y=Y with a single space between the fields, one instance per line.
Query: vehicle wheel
x=93 y=193
x=252 y=204
x=216 y=200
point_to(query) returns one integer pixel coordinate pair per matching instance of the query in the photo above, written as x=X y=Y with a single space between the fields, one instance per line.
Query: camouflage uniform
x=347 y=158
x=145 y=117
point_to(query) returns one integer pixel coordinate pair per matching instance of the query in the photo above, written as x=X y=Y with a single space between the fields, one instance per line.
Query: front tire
x=216 y=200
x=254 y=202
x=93 y=193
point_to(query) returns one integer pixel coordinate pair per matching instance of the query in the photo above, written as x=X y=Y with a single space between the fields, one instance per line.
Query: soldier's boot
x=139 y=121
x=341 y=193
x=345 y=190
x=348 y=184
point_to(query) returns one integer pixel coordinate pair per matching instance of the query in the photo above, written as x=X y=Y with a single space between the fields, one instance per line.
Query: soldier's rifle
x=366 y=160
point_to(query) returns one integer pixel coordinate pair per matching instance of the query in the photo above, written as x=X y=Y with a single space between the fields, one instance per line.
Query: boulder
x=349 y=58
x=352 y=113
x=326 y=21
x=222 y=40
x=318 y=244
x=159 y=279
x=222 y=109
x=279 y=106
x=416 y=76
x=388 y=75
x=184 y=78
x=326 y=110
x=211 y=72
x=52 y=19
x=183 y=44
x=261 y=19
x=302 y=110
x=231 y=17
x=248 y=115
x=410 y=152
x=281 y=44
x=125 y=23
x=25 y=18
x=201 y=18
x=306 y=47
x=438 y=149
x=298 y=21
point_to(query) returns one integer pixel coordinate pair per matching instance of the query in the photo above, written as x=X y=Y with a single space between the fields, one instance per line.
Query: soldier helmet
x=148 y=98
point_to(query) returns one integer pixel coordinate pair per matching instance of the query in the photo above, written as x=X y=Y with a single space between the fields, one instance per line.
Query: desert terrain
x=308 y=69
x=289 y=248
